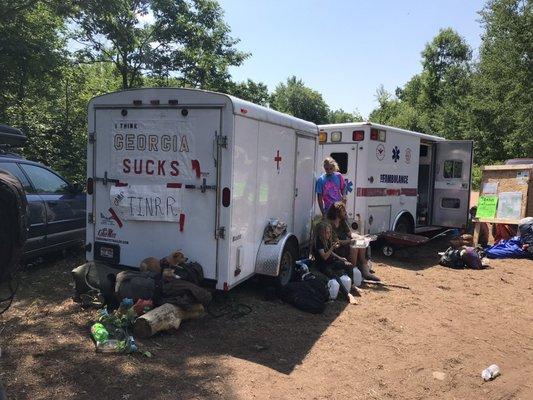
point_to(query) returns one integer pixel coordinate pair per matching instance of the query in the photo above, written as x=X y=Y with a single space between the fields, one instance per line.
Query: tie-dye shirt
x=331 y=187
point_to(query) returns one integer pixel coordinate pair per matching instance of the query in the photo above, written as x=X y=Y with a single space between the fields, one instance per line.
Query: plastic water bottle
x=109 y=346
x=346 y=282
x=333 y=288
x=357 y=277
x=99 y=332
x=490 y=373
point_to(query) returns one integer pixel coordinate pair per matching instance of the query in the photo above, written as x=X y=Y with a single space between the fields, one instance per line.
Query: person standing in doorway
x=330 y=186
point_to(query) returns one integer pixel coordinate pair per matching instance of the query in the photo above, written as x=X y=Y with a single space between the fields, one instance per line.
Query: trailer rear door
x=155 y=174
x=453 y=169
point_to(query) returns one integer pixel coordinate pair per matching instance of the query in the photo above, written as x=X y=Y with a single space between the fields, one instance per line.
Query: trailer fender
x=268 y=258
x=402 y=216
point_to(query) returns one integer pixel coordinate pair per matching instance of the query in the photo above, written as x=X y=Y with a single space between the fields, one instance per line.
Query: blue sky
x=343 y=49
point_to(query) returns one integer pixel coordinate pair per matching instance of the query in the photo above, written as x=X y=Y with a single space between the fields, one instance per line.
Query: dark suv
x=56 y=208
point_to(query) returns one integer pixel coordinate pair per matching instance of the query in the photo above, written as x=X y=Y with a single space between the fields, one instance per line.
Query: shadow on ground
x=47 y=351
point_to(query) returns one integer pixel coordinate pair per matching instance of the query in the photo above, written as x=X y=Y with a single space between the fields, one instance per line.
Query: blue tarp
x=511 y=248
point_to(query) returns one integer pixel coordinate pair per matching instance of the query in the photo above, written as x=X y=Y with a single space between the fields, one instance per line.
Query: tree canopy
x=294 y=98
x=188 y=38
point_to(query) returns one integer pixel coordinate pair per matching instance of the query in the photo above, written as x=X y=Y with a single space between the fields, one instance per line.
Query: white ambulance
x=202 y=172
x=397 y=179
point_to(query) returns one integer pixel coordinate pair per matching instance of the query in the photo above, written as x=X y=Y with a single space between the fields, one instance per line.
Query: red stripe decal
x=173 y=185
x=121 y=184
x=115 y=217
x=182 y=222
x=370 y=192
x=410 y=191
x=379 y=192
x=196 y=168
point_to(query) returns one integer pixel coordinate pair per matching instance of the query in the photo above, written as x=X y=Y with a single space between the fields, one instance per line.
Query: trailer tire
x=288 y=259
x=405 y=224
x=387 y=250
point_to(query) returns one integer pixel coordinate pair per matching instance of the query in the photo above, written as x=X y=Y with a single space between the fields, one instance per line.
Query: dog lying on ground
x=165 y=266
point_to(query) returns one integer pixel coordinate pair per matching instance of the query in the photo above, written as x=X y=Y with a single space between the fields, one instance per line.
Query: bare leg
x=363 y=266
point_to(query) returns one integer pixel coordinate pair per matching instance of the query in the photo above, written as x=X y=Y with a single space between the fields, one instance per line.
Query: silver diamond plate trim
x=269 y=256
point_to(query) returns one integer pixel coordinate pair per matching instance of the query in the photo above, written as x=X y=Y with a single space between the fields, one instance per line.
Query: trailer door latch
x=220 y=233
x=222 y=141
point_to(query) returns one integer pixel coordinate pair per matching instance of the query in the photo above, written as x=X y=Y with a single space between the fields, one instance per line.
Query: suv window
x=45 y=181
x=15 y=170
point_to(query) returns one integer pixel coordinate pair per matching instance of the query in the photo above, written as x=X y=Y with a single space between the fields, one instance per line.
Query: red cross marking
x=277 y=159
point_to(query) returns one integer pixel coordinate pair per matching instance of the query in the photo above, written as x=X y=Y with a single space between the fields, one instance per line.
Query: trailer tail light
x=90 y=185
x=358 y=136
x=226 y=197
x=322 y=137
x=137 y=102
x=378 y=134
x=336 y=136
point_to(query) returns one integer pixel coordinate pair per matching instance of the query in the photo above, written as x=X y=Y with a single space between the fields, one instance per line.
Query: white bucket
x=333 y=287
x=357 y=277
x=346 y=282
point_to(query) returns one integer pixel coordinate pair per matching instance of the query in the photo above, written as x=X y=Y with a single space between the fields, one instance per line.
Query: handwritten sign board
x=147 y=202
x=510 y=205
x=486 y=206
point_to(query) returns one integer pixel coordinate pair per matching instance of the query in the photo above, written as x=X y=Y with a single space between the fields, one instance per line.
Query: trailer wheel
x=286 y=265
x=387 y=250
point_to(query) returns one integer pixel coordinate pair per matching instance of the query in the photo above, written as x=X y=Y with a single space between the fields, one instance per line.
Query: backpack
x=94 y=285
x=136 y=285
x=452 y=258
x=310 y=295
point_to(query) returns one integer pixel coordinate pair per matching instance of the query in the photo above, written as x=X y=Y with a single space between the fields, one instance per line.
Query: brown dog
x=159 y=266
x=175 y=259
x=151 y=264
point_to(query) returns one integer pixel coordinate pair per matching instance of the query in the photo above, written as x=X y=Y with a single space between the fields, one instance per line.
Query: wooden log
x=167 y=316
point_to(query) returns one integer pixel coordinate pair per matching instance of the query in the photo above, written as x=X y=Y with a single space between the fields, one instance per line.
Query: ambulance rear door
x=453 y=171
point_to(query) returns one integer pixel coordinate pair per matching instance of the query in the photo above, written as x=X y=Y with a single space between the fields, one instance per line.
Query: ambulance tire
x=289 y=255
x=404 y=224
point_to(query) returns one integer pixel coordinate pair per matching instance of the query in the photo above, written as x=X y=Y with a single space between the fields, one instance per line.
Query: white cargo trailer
x=398 y=179
x=199 y=171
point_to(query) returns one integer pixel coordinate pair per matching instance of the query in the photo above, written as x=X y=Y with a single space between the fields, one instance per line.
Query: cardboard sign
x=486 y=206
x=147 y=202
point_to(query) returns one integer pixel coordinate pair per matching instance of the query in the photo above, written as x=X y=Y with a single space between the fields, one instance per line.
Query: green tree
x=184 y=38
x=435 y=100
x=255 y=92
x=501 y=104
x=296 y=99
x=340 y=116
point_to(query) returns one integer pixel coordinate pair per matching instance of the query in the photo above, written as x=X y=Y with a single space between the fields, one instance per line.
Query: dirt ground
x=431 y=341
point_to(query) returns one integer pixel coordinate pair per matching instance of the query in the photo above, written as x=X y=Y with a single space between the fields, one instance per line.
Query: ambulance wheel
x=387 y=250
x=286 y=265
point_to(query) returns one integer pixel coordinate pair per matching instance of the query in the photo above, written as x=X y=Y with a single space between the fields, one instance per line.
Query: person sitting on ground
x=337 y=217
x=326 y=260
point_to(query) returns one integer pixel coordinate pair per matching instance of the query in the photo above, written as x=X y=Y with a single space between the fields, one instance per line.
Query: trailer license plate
x=106 y=252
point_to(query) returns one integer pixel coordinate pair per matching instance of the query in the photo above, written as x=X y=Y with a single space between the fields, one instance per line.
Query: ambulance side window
x=342 y=160
x=450 y=202
x=453 y=169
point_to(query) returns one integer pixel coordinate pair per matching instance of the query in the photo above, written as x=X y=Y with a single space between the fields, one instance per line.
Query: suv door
x=36 y=238
x=65 y=210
